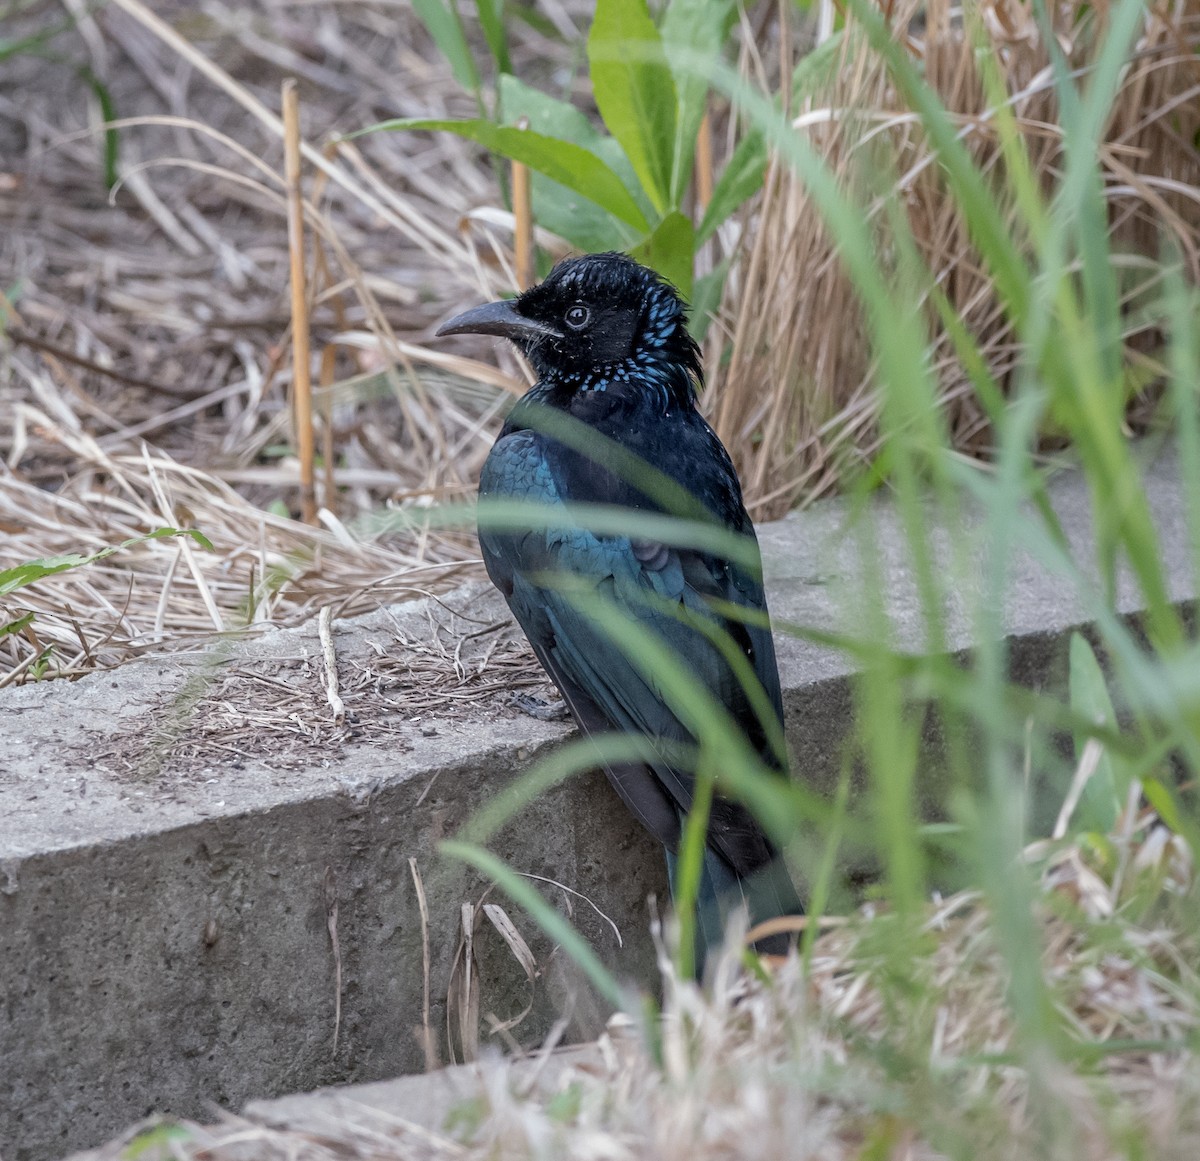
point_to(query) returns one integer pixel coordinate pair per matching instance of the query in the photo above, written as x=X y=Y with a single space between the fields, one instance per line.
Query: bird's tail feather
x=767 y=894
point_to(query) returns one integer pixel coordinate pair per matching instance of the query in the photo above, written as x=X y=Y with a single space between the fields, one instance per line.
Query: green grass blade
x=691 y=868
x=740 y=180
x=444 y=25
x=1182 y=308
x=525 y=895
x=491 y=21
x=108 y=111
x=35 y=42
x=585 y=753
x=1104 y=796
x=984 y=214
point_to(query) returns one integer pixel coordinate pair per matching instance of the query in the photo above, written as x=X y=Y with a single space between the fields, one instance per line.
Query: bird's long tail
x=767 y=894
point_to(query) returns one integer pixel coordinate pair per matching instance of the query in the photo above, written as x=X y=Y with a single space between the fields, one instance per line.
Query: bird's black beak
x=497 y=318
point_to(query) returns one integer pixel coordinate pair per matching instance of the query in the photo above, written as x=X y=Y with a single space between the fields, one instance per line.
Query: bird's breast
x=518 y=468
x=597 y=405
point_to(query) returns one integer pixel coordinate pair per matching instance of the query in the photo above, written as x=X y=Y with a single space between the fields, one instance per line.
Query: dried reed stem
x=329 y=656
x=523 y=220
x=704 y=164
x=302 y=409
x=428 y=1044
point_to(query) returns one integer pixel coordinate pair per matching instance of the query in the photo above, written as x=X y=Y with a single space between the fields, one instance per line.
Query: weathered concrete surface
x=426 y=1100
x=165 y=921
x=407 y=1108
x=165 y=942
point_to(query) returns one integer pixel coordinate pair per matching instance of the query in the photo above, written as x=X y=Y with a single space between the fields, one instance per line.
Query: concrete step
x=410 y=1110
x=205 y=882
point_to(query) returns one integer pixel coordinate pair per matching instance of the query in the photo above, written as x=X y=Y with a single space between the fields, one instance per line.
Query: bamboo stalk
x=327 y=373
x=302 y=409
x=324 y=277
x=523 y=220
x=704 y=164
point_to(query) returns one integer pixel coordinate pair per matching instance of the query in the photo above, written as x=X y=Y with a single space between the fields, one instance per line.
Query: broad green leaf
x=1101 y=801
x=563 y=161
x=741 y=178
x=634 y=91
x=442 y=22
x=556 y=207
x=554 y=118
x=670 y=250
x=576 y=219
x=693 y=33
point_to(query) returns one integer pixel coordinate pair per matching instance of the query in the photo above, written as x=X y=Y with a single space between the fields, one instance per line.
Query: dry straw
x=146 y=375
x=796 y=403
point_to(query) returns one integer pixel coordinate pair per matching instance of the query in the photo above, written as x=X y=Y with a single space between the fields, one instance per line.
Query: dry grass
x=146 y=375
x=145 y=378
x=388 y=683
x=865 y=1054
x=796 y=404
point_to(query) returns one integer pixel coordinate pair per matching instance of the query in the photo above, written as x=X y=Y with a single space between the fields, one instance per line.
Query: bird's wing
x=603 y=687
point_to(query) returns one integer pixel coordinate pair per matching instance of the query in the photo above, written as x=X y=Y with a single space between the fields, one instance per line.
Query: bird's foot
x=537 y=707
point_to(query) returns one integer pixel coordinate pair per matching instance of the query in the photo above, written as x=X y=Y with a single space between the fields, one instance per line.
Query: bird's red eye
x=577 y=317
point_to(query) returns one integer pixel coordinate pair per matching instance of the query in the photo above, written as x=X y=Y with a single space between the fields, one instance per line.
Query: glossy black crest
x=594 y=319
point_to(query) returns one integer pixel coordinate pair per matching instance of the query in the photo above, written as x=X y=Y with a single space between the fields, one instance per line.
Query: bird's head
x=596 y=320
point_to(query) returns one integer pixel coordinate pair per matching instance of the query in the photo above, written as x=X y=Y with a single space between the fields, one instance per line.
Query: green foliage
x=1112 y=730
x=573 y=211
x=30 y=571
x=625 y=189
x=26 y=573
x=739 y=181
x=669 y=249
x=35 y=43
x=635 y=92
x=444 y=24
x=108 y=110
x=158 y=1141
x=570 y=165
